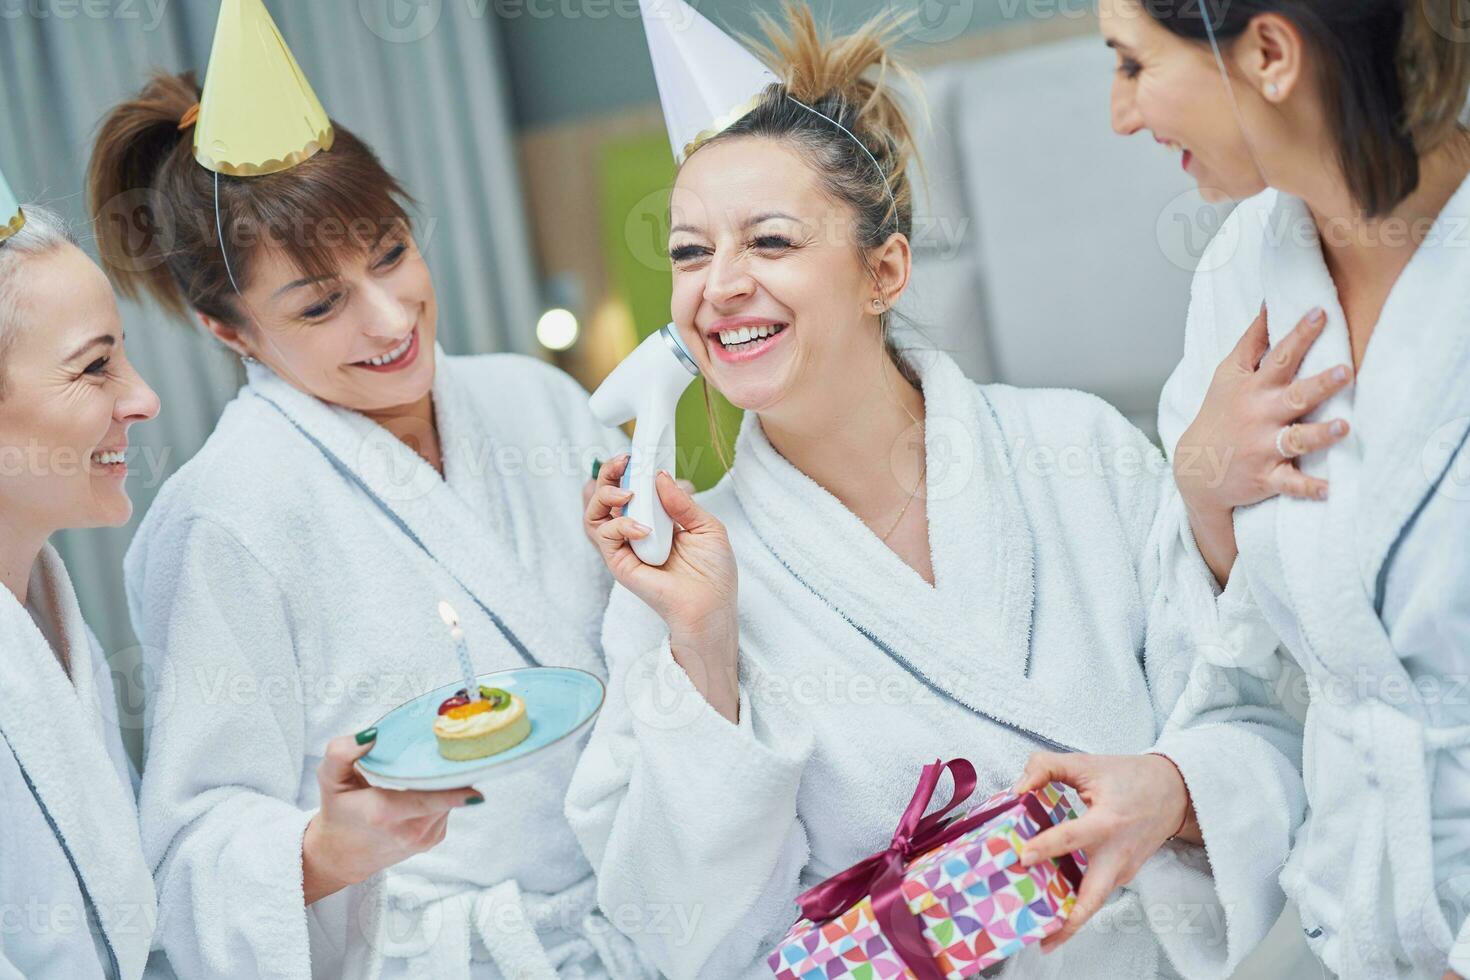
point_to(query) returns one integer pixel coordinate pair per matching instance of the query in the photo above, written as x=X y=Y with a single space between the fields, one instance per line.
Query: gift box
x=946 y=900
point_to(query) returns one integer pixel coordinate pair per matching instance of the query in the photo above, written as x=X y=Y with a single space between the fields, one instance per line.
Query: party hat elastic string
x=887 y=186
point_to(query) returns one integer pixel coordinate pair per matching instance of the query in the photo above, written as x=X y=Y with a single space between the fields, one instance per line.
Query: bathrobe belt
x=1394 y=748
x=434 y=926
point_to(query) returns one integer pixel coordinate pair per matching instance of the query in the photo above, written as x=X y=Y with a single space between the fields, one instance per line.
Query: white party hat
x=707 y=80
x=12 y=218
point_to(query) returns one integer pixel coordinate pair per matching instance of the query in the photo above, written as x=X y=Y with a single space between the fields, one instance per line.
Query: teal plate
x=561 y=701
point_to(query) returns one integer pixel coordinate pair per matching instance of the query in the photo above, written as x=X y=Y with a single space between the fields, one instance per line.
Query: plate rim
x=490 y=761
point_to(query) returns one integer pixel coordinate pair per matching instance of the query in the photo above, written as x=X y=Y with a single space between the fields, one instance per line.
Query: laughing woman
x=77 y=897
x=285 y=583
x=927 y=568
x=1341 y=126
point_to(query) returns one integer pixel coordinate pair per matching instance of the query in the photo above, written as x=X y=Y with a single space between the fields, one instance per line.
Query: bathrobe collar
x=62 y=733
x=970 y=633
x=1410 y=411
x=461 y=521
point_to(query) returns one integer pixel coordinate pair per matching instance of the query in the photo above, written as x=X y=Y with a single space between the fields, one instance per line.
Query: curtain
x=422 y=83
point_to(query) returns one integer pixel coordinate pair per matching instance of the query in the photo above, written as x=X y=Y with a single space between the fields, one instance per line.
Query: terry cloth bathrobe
x=285 y=586
x=1047 y=628
x=1369 y=591
x=76 y=898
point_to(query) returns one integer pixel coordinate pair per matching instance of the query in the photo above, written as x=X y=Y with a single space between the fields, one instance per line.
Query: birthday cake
x=469 y=728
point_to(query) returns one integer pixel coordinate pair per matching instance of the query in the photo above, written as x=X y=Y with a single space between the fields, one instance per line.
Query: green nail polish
x=596 y=468
x=366 y=735
x=474 y=800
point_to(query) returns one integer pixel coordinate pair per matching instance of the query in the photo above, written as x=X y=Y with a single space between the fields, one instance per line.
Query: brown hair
x=157 y=228
x=1394 y=81
x=851 y=81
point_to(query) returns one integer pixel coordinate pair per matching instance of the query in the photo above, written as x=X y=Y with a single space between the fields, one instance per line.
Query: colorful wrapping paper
x=973 y=903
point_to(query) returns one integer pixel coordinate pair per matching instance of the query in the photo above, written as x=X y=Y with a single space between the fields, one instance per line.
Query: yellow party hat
x=258 y=114
x=12 y=218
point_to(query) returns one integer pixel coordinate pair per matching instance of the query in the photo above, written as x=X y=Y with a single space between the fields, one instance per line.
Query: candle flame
x=447 y=613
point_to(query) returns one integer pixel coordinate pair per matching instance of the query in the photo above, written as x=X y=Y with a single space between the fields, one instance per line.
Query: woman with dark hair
x=1338 y=123
x=285 y=583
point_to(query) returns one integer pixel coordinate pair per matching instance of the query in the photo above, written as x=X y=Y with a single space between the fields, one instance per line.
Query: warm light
x=557 y=329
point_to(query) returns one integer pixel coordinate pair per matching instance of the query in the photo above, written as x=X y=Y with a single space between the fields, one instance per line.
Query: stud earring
x=877 y=306
x=1272 y=89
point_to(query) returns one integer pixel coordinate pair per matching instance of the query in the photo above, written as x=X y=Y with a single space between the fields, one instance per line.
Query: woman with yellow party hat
x=361 y=477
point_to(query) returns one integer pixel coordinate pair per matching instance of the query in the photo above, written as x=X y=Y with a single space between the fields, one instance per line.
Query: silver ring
x=1281 y=443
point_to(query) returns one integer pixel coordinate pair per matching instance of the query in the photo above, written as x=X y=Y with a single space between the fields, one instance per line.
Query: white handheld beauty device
x=647 y=386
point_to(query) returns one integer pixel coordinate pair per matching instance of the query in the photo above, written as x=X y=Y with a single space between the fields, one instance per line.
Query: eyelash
x=769 y=242
x=98 y=367
x=1130 y=69
x=389 y=259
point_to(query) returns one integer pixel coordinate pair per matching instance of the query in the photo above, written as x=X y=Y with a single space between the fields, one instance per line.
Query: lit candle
x=446 y=613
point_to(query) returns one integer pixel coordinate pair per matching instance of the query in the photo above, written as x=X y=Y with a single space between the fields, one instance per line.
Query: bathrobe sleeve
x=1236 y=745
x=1231 y=631
x=689 y=820
x=223 y=760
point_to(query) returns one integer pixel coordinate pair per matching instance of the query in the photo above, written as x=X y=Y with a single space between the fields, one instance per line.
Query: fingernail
x=1339 y=374
x=1028 y=858
x=1322 y=493
x=642 y=528
x=366 y=735
x=474 y=800
x=596 y=468
x=1339 y=428
x=1318 y=315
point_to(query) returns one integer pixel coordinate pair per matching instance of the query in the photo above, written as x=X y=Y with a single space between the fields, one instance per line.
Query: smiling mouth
x=748 y=337
x=110 y=460
x=393 y=356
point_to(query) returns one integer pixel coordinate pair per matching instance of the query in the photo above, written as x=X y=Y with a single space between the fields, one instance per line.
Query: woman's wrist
x=709 y=652
x=1187 y=825
x=1214 y=535
x=320 y=875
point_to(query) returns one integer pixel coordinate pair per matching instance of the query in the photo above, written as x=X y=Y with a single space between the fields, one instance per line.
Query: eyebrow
x=748 y=222
x=307 y=282
x=1117 y=45
x=106 y=340
x=298 y=284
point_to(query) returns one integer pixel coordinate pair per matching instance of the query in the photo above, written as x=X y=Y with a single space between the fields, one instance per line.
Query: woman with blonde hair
x=900 y=566
x=75 y=890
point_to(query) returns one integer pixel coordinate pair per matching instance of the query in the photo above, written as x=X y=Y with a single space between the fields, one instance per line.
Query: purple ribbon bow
x=881 y=876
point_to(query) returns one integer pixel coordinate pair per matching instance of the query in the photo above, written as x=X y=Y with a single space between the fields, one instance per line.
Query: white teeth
x=732 y=338
x=109 y=459
x=393 y=355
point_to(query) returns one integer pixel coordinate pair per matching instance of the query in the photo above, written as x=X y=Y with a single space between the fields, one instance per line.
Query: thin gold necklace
x=907 y=504
x=923 y=474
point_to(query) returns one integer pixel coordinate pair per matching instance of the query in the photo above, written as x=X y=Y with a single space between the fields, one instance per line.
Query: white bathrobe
x=1369 y=591
x=76 y=898
x=285 y=587
x=1047 y=627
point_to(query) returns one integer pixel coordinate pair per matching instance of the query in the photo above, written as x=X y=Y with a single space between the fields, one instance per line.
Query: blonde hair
x=837 y=104
x=44 y=232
